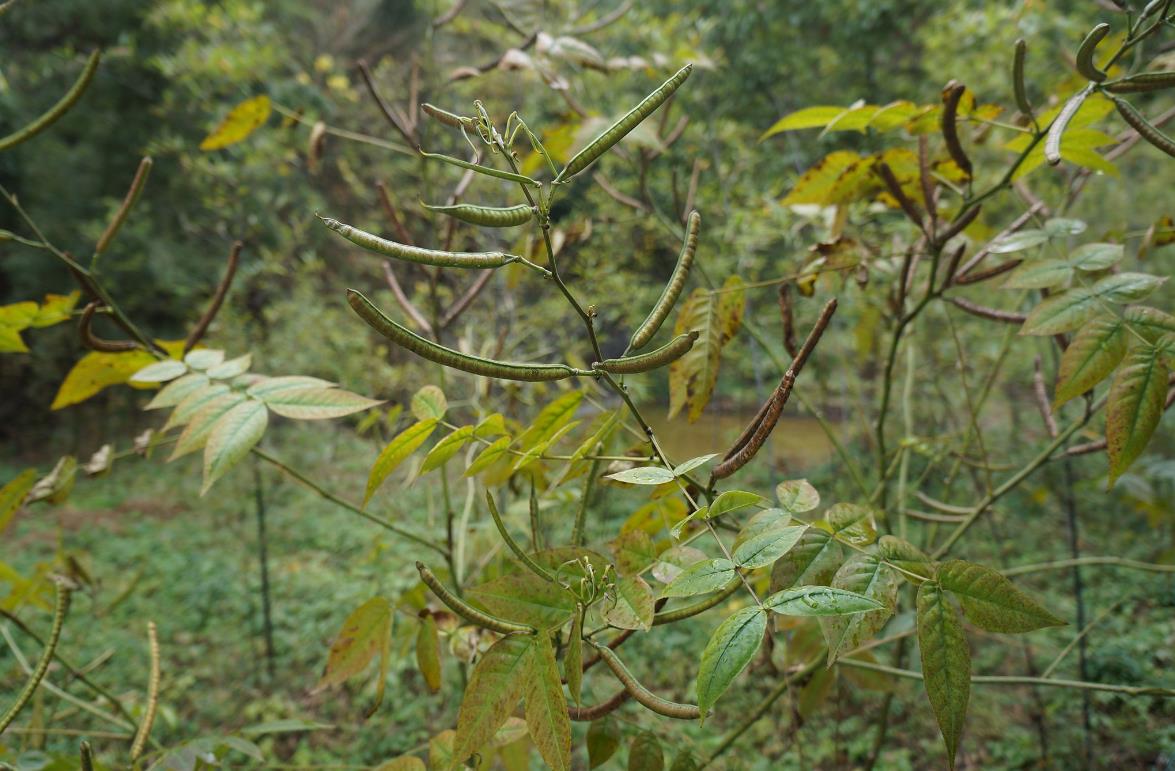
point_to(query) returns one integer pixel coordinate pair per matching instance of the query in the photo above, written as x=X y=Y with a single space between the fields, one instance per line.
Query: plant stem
x=263 y=560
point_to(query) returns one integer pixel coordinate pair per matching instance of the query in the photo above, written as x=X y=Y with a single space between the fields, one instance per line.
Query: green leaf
x=866 y=575
x=852 y=523
x=428 y=651
x=402 y=763
x=536 y=451
x=820 y=601
x=527 y=599
x=231 y=438
x=397 y=451
x=764 y=548
x=681 y=469
x=809 y=117
x=991 y=601
x=197 y=400
x=603 y=739
x=1135 y=407
x=607 y=427
x=290 y=725
x=645 y=754
x=1126 y=287
x=364 y=634
x=811 y=561
x=318 y=403
x=1059 y=227
x=227 y=370
x=634 y=551
x=763 y=521
x=1039 y=274
x=643 y=475
x=700 y=578
x=440 y=751
x=551 y=419
x=797 y=496
x=732 y=500
x=546 y=708
x=904 y=555
x=731 y=647
x=1096 y=349
x=686 y=760
x=241 y=121
x=1096 y=256
x=1018 y=241
x=631 y=605
x=1062 y=312
x=447 y=448
x=160 y=372
x=276 y=388
x=195 y=433
x=429 y=403
x=495 y=687
x=716 y=317
x=177 y=390
x=487 y=457
x=491 y=425
x=1151 y=323
x=13 y=493
x=946 y=663
x=203 y=358
x=672 y=562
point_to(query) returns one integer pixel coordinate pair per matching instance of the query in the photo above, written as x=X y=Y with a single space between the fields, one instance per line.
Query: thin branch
x=1042 y=399
x=385 y=200
x=611 y=190
x=465 y=300
x=390 y=111
x=230 y=270
x=413 y=312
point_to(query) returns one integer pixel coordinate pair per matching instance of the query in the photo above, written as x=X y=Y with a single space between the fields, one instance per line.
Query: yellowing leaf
x=1135 y=407
x=817 y=182
x=55 y=308
x=716 y=317
x=496 y=685
x=13 y=493
x=428 y=651
x=365 y=633
x=242 y=121
x=546 y=707
x=946 y=663
x=98 y=370
x=231 y=438
x=809 y=117
x=396 y=452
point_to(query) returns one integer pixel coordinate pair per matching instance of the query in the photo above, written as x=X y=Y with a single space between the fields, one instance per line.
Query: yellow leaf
x=365 y=634
x=716 y=317
x=817 y=182
x=55 y=309
x=98 y=370
x=242 y=121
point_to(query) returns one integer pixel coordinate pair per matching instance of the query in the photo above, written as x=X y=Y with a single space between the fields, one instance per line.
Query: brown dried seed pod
x=951 y=96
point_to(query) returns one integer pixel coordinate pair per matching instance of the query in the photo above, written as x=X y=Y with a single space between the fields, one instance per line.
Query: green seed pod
x=1085 y=53
x=627 y=123
x=519 y=552
x=689 y=611
x=446 y=117
x=56 y=111
x=644 y=695
x=949 y=125
x=454 y=359
x=1018 y=86
x=487 y=216
x=416 y=254
x=1145 y=128
x=1052 y=143
x=1142 y=83
x=630 y=365
x=644 y=333
x=467 y=611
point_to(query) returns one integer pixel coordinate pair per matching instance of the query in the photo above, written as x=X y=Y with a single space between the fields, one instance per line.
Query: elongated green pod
x=1142 y=83
x=519 y=552
x=630 y=365
x=61 y=608
x=597 y=711
x=1052 y=143
x=446 y=117
x=467 y=611
x=50 y=116
x=487 y=216
x=1145 y=128
x=642 y=694
x=1018 y=86
x=701 y=606
x=415 y=254
x=952 y=94
x=625 y=124
x=1085 y=53
x=685 y=259
x=406 y=338
x=87 y=756
x=486 y=170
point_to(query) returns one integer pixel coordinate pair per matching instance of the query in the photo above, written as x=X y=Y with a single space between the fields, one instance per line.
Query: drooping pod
x=644 y=695
x=688 y=611
x=446 y=117
x=1085 y=53
x=1142 y=83
x=50 y=116
x=685 y=259
x=519 y=552
x=467 y=611
x=631 y=365
x=1018 y=87
x=625 y=124
x=1145 y=128
x=415 y=254
x=487 y=216
x=92 y=341
x=454 y=359
x=949 y=125
x=1052 y=143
